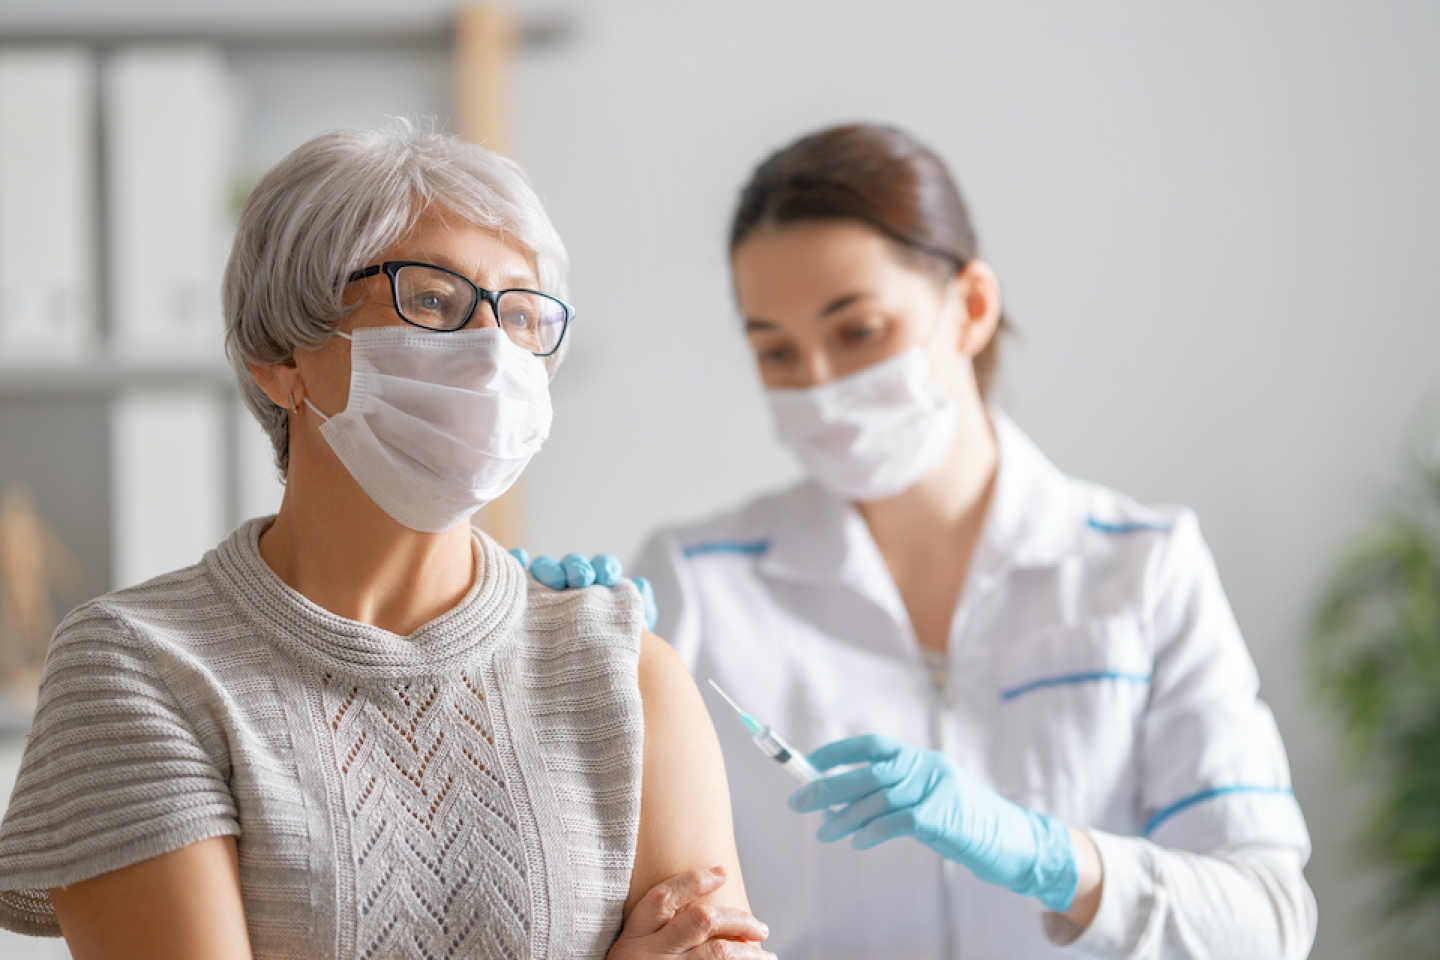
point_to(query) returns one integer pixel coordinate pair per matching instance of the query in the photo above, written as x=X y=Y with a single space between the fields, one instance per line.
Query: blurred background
x=1216 y=227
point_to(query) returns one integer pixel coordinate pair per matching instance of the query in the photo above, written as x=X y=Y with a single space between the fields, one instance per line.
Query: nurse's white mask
x=438 y=424
x=872 y=434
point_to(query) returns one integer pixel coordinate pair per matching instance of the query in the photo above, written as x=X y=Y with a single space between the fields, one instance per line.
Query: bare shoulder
x=685 y=802
x=665 y=684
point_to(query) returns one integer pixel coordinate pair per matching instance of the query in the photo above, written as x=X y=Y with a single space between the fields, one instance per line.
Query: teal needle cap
x=751 y=724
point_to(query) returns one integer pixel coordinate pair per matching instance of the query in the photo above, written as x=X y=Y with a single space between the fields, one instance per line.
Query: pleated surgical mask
x=872 y=434
x=438 y=424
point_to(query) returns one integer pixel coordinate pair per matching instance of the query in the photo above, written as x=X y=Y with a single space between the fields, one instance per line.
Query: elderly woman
x=357 y=729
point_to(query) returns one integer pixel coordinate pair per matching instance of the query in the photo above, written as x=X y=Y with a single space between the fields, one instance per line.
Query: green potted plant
x=1377 y=663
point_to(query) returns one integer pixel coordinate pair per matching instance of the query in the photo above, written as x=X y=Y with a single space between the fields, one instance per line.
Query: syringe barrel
x=787 y=756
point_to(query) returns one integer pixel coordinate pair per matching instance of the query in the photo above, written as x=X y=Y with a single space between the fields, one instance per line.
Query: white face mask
x=872 y=434
x=438 y=424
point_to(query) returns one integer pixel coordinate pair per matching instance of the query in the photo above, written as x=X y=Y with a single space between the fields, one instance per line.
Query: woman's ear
x=281 y=382
x=979 y=292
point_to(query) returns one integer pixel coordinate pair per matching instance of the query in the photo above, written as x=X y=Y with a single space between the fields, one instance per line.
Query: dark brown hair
x=877 y=176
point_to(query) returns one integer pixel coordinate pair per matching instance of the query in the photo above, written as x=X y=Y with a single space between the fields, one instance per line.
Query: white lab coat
x=1095 y=672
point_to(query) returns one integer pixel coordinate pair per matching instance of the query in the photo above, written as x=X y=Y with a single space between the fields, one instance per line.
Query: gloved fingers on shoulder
x=548 y=571
x=647 y=597
x=578 y=572
x=607 y=569
x=869 y=748
x=521 y=554
x=842 y=823
x=898 y=823
x=836 y=789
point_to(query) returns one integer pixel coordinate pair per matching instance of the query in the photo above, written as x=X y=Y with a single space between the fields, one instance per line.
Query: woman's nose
x=486 y=315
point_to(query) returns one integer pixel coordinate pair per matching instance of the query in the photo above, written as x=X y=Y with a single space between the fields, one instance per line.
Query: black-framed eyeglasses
x=438 y=299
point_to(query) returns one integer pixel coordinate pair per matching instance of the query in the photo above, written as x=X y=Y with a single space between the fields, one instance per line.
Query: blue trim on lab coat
x=1128 y=526
x=1186 y=802
x=746 y=548
x=1089 y=676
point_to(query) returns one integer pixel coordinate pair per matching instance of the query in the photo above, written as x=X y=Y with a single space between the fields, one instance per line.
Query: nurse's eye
x=776 y=355
x=859 y=332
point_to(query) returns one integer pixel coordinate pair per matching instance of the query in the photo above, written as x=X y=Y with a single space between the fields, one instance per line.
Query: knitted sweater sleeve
x=114 y=770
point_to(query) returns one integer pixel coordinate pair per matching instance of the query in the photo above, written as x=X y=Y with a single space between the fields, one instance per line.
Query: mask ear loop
x=315 y=410
x=292 y=404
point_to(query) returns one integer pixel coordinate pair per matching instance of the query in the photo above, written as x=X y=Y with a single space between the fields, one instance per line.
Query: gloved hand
x=904 y=791
x=575 y=572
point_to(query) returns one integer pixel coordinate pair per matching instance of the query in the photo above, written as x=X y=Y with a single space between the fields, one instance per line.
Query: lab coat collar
x=1034 y=518
x=1032 y=521
x=820 y=538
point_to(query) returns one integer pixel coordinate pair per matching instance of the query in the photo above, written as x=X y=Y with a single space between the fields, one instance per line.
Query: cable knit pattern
x=471 y=790
x=436 y=845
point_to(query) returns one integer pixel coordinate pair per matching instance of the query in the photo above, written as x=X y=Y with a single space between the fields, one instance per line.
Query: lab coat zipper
x=941 y=709
x=950 y=922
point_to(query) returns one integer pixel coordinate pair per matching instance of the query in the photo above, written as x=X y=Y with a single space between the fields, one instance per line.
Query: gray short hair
x=331 y=206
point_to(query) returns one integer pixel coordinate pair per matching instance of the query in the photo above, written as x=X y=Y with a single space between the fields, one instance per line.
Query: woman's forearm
x=1246 y=902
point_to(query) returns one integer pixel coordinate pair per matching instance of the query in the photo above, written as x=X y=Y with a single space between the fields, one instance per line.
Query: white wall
x=1216 y=224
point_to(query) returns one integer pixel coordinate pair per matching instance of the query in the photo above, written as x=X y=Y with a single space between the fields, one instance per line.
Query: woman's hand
x=904 y=791
x=670 y=922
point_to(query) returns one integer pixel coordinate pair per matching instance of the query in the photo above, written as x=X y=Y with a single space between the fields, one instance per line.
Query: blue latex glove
x=647 y=595
x=573 y=571
x=904 y=791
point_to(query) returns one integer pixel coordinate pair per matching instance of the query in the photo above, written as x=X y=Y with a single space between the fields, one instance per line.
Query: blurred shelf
x=536 y=30
x=101 y=375
x=14 y=716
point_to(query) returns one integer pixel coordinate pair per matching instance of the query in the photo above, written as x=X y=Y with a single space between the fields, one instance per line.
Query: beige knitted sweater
x=472 y=790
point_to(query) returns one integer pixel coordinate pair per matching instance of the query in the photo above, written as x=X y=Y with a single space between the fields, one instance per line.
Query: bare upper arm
x=685 y=821
x=182 y=904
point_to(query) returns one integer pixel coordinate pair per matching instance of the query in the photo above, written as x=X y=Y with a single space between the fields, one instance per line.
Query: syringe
x=772 y=744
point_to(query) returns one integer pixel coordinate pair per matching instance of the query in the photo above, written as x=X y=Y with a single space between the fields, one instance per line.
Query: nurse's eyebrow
x=841 y=302
x=753 y=325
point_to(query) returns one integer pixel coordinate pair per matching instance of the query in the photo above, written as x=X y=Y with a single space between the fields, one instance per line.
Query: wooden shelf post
x=486 y=39
x=486 y=42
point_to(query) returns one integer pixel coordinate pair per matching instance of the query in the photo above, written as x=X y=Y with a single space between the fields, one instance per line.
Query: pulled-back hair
x=332 y=205
x=877 y=176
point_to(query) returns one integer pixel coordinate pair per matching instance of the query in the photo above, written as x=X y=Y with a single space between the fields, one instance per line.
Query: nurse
x=1038 y=715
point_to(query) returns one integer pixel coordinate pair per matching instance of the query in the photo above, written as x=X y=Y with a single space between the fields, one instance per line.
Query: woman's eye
x=430 y=301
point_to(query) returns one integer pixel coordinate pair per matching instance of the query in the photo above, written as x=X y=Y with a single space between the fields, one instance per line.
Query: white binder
x=48 y=283
x=167 y=480
x=260 y=490
x=166 y=177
